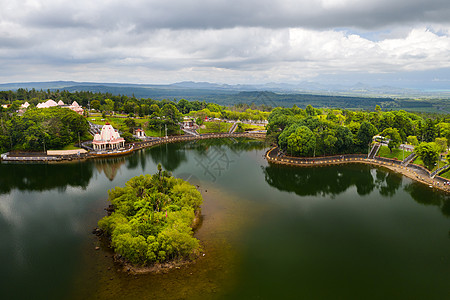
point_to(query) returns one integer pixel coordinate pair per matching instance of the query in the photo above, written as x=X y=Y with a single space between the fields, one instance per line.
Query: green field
x=213 y=127
x=250 y=127
x=446 y=174
x=116 y=122
x=395 y=154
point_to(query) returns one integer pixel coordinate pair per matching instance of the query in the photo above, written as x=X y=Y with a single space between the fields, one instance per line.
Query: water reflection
x=41 y=177
x=429 y=197
x=387 y=182
x=320 y=181
x=331 y=181
x=110 y=166
x=169 y=155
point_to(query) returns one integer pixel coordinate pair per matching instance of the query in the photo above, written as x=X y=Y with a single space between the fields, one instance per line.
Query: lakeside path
x=25 y=157
x=412 y=171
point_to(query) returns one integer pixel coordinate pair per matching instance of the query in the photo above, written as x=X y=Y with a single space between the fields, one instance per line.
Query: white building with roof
x=50 y=103
x=76 y=108
x=47 y=104
x=108 y=139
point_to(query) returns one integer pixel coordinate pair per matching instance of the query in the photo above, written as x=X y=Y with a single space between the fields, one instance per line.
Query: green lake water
x=268 y=232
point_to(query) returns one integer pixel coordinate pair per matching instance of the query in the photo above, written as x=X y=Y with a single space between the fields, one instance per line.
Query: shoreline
x=45 y=158
x=157 y=268
x=415 y=172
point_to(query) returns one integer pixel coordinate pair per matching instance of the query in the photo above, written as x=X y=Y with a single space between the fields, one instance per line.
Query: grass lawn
x=155 y=133
x=418 y=161
x=250 y=127
x=213 y=127
x=116 y=122
x=396 y=153
x=446 y=174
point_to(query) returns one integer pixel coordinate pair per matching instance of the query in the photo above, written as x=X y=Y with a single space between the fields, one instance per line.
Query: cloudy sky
x=405 y=42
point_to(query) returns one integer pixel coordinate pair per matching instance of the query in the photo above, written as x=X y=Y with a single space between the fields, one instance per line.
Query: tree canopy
x=39 y=129
x=152 y=218
x=429 y=153
x=339 y=131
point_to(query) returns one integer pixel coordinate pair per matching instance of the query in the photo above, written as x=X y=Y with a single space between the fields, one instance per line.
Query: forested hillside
x=122 y=93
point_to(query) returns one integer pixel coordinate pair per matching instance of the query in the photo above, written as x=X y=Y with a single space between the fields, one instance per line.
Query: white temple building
x=25 y=105
x=50 y=103
x=108 y=139
x=47 y=104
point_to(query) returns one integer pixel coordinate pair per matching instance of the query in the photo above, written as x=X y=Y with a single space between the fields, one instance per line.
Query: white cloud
x=166 y=41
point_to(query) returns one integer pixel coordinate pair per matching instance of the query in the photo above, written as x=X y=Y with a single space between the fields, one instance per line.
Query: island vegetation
x=151 y=219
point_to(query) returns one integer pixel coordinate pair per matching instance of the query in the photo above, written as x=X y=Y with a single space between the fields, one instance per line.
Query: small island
x=151 y=220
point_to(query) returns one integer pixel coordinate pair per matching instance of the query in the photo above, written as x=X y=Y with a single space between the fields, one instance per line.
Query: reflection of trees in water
x=237 y=145
x=169 y=155
x=172 y=155
x=335 y=180
x=109 y=166
x=387 y=182
x=427 y=196
x=321 y=180
x=41 y=177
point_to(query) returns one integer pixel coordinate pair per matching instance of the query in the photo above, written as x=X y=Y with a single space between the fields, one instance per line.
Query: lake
x=268 y=232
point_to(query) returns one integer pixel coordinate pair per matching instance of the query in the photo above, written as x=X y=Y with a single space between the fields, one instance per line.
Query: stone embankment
x=412 y=171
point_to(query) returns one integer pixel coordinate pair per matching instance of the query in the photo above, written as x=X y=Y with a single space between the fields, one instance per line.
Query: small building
x=108 y=139
x=188 y=123
x=139 y=133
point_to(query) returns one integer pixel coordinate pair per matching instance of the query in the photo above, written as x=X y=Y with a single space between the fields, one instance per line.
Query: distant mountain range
x=359 y=96
x=200 y=89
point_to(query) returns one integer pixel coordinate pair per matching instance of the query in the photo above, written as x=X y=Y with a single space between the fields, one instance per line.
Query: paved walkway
x=415 y=172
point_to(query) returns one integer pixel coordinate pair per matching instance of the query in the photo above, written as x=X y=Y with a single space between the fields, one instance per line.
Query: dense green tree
x=412 y=140
x=365 y=134
x=301 y=142
x=152 y=219
x=283 y=138
x=42 y=129
x=429 y=131
x=429 y=153
x=442 y=144
x=393 y=136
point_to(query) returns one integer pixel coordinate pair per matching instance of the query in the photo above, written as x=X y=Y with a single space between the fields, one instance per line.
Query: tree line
x=41 y=129
x=317 y=132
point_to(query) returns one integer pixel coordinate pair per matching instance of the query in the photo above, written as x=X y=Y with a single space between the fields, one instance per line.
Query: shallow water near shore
x=268 y=231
